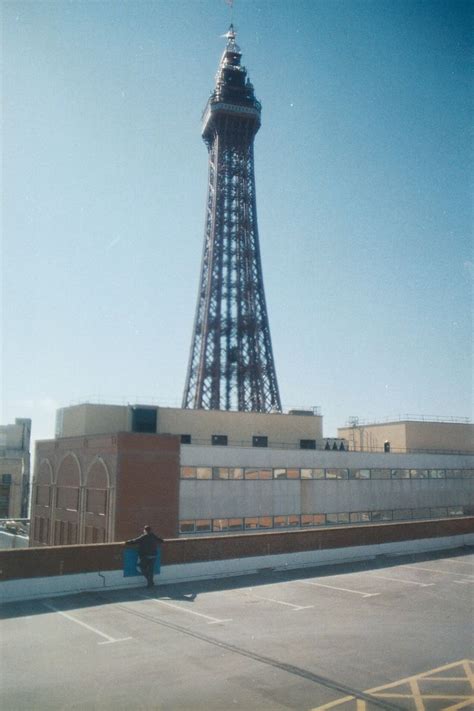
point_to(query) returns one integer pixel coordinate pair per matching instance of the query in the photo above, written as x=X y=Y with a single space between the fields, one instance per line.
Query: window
x=186 y=527
x=42 y=495
x=421 y=513
x=68 y=498
x=306 y=473
x=359 y=473
x=220 y=473
x=258 y=473
x=265 y=522
x=331 y=518
x=203 y=473
x=306 y=519
x=343 y=518
x=188 y=472
x=419 y=473
x=96 y=501
x=235 y=524
x=293 y=520
x=203 y=525
x=144 y=419
x=381 y=516
x=336 y=473
x=439 y=512
x=219 y=440
x=4 y=500
x=259 y=441
x=220 y=524
x=251 y=522
x=6 y=479
x=293 y=473
x=402 y=514
x=279 y=473
x=236 y=473
x=436 y=473
x=401 y=473
x=360 y=517
x=319 y=519
x=280 y=521
x=455 y=511
x=307 y=444
x=380 y=473
x=185 y=439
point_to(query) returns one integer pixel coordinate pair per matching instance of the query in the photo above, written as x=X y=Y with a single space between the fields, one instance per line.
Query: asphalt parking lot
x=394 y=633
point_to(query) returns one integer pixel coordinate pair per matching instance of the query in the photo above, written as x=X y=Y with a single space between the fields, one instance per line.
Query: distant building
x=15 y=469
x=410 y=435
x=191 y=472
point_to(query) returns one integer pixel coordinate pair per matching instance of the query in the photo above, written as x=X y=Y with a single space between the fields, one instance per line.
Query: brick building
x=214 y=474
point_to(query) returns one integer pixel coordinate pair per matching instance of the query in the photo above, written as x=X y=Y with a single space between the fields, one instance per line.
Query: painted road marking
x=435 y=570
x=409 y=689
x=402 y=580
x=279 y=602
x=333 y=587
x=108 y=638
x=214 y=620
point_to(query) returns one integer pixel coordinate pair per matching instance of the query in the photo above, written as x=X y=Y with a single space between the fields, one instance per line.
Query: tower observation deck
x=231 y=365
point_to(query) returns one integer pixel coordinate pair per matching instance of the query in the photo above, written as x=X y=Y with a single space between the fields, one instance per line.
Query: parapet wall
x=98 y=558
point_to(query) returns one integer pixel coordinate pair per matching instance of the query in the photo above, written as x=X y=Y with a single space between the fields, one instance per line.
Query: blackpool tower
x=231 y=364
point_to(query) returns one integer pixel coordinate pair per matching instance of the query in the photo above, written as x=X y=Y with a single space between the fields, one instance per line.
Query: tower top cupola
x=232 y=83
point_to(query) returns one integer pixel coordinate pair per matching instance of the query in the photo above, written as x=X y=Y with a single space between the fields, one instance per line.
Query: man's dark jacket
x=147 y=544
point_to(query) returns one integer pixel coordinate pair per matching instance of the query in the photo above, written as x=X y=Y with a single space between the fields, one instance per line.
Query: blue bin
x=130 y=563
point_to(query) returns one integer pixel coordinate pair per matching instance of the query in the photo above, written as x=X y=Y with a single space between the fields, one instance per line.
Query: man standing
x=147 y=545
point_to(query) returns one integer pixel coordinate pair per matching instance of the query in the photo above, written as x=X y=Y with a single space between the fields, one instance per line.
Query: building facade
x=91 y=486
x=410 y=435
x=15 y=469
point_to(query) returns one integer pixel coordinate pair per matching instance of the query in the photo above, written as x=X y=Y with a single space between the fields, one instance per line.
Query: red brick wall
x=39 y=562
x=147 y=484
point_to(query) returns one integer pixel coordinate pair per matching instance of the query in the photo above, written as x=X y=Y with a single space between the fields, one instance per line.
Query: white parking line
x=333 y=587
x=109 y=640
x=279 y=602
x=402 y=580
x=214 y=620
x=435 y=570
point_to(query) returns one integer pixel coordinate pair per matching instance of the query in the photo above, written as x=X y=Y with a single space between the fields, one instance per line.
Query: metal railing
x=356 y=422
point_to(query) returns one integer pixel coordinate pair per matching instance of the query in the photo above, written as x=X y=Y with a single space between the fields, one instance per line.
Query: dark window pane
x=144 y=419
x=219 y=440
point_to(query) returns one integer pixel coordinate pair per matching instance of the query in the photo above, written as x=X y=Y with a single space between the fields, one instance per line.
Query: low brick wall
x=64 y=560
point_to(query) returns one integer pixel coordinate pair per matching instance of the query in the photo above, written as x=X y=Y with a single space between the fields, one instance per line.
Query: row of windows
x=262 y=441
x=219 y=525
x=68 y=498
x=284 y=473
x=66 y=532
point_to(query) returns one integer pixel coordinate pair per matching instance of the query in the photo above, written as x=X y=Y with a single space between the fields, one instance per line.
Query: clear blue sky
x=363 y=167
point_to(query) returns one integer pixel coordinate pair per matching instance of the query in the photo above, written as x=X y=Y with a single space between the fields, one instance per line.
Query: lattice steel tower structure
x=231 y=364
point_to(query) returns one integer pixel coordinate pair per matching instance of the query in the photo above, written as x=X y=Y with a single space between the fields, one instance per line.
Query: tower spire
x=231 y=364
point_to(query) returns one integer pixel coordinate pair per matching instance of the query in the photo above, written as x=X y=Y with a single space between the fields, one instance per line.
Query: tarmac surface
x=392 y=633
